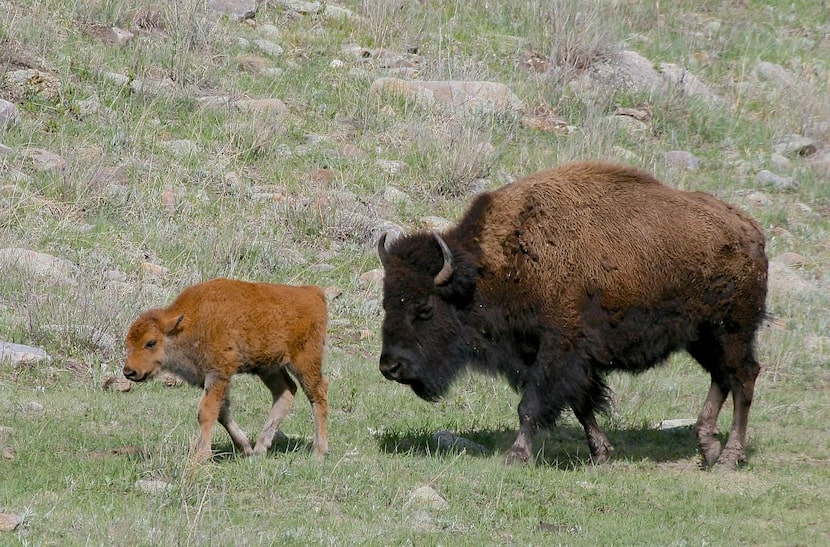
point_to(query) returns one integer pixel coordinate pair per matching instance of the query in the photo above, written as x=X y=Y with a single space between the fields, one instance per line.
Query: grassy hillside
x=158 y=144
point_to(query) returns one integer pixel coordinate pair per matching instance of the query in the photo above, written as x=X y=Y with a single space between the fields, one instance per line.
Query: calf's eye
x=150 y=344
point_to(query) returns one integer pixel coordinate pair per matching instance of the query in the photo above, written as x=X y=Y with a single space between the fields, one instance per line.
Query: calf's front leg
x=213 y=398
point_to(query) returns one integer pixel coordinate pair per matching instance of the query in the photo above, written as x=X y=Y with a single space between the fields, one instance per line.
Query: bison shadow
x=565 y=447
x=225 y=451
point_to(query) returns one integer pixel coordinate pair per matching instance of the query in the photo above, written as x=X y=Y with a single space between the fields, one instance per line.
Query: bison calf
x=563 y=276
x=218 y=328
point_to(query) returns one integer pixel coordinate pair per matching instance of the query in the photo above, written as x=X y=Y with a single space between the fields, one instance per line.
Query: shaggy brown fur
x=572 y=272
x=218 y=328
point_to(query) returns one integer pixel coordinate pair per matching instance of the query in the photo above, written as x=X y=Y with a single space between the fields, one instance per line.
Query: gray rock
x=44 y=160
x=180 y=147
x=774 y=74
x=795 y=145
x=39 y=265
x=30 y=81
x=9 y=522
x=680 y=159
x=9 y=115
x=300 y=6
x=21 y=354
x=390 y=167
x=268 y=47
x=122 y=36
x=666 y=425
x=332 y=11
x=768 y=178
x=238 y=10
x=779 y=162
x=467 y=96
x=447 y=440
x=687 y=83
x=116 y=78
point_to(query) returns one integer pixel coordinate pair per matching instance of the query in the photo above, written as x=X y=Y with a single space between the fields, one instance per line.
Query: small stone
x=153 y=486
x=758 y=199
x=9 y=522
x=168 y=200
x=351 y=151
x=391 y=167
x=436 y=223
x=680 y=159
x=155 y=269
x=398 y=197
x=169 y=379
x=9 y=453
x=181 y=147
x=333 y=292
x=675 y=424
x=268 y=47
x=261 y=105
x=791 y=259
x=427 y=496
x=122 y=36
x=372 y=277
x=118 y=383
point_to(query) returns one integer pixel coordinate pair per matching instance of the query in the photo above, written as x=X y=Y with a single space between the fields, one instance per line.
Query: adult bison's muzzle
x=392 y=367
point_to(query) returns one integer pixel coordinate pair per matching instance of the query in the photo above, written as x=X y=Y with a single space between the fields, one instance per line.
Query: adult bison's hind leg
x=729 y=359
x=742 y=388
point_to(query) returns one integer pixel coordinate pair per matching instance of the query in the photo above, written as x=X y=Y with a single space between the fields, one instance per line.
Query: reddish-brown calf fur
x=218 y=328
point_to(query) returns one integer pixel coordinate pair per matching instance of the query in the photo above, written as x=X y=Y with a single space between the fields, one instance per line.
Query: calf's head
x=147 y=342
x=426 y=288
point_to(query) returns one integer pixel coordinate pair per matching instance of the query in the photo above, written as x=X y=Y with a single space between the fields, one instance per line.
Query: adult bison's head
x=146 y=344
x=426 y=289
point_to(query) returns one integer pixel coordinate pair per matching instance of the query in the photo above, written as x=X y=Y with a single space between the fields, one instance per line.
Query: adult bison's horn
x=382 y=252
x=446 y=270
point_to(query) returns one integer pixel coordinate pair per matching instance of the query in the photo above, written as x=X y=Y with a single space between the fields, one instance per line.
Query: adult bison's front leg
x=520 y=452
x=529 y=413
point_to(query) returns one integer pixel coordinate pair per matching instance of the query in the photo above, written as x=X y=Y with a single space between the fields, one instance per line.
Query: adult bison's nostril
x=390 y=367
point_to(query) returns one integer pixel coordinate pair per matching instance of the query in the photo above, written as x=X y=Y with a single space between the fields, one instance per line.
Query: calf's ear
x=173 y=326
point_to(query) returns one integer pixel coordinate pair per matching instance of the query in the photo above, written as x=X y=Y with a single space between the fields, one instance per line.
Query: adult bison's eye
x=150 y=344
x=424 y=311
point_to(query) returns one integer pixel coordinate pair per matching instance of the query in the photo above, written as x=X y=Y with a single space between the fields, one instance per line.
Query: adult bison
x=558 y=278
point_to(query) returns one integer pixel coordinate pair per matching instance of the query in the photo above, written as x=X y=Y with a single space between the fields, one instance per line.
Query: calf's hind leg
x=240 y=440
x=282 y=389
x=307 y=368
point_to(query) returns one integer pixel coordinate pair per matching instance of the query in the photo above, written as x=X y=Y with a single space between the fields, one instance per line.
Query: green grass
x=79 y=450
